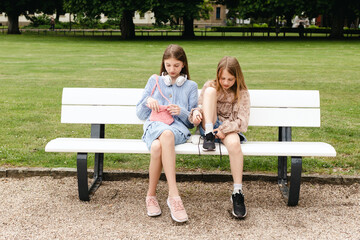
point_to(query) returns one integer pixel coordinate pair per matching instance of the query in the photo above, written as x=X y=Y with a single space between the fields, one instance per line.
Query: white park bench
x=279 y=108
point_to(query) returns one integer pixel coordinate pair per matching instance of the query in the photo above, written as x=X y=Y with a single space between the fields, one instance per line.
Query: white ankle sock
x=237 y=188
x=209 y=127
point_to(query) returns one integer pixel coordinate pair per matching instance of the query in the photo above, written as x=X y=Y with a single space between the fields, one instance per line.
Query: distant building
x=217 y=17
x=4 y=20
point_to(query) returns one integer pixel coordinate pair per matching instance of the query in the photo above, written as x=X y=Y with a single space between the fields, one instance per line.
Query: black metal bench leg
x=82 y=176
x=98 y=172
x=284 y=136
x=97 y=131
x=282 y=170
x=282 y=176
x=295 y=181
x=291 y=194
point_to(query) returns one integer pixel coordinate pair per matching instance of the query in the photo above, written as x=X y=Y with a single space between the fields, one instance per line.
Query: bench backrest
x=285 y=108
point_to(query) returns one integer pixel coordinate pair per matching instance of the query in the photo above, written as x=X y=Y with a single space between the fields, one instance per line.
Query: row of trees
x=337 y=11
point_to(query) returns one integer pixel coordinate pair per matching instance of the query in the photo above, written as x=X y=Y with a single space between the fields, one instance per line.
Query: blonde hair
x=177 y=52
x=232 y=65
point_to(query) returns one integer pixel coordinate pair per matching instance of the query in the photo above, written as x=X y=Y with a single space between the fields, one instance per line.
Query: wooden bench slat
x=92 y=145
x=130 y=96
x=285 y=98
x=99 y=114
x=102 y=96
x=285 y=117
x=294 y=117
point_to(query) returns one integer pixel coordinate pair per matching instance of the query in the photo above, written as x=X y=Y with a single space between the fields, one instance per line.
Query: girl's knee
x=210 y=91
x=233 y=145
x=167 y=136
x=155 y=147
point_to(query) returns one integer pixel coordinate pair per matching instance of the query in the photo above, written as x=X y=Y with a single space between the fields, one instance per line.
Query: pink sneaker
x=177 y=209
x=152 y=206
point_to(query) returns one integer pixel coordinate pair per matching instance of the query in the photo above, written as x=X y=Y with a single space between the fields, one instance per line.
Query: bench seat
x=93 y=145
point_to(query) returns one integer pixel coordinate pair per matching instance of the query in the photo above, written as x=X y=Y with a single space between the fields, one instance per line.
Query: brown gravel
x=48 y=208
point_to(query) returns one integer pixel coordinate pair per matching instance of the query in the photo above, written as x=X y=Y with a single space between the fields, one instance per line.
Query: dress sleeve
x=142 y=111
x=241 y=114
x=193 y=103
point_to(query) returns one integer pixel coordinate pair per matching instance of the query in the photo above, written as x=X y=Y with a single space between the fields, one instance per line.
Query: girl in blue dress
x=160 y=137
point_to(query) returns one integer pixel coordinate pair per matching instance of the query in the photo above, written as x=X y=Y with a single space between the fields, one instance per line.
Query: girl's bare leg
x=209 y=106
x=155 y=167
x=232 y=144
x=168 y=158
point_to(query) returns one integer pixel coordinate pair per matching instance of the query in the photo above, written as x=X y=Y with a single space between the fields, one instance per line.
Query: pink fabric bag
x=163 y=115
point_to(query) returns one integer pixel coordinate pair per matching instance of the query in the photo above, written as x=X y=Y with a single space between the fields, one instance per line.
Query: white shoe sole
x=154 y=214
x=208 y=150
x=238 y=216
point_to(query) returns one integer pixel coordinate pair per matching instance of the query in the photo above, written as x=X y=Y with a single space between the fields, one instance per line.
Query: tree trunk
x=57 y=16
x=188 y=27
x=13 y=23
x=338 y=20
x=127 y=25
x=288 y=19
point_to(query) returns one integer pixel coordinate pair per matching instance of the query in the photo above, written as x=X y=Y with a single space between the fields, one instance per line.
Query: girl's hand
x=197 y=117
x=152 y=104
x=219 y=134
x=174 y=109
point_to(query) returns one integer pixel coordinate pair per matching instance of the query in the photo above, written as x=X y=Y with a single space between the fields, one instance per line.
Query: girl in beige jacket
x=223 y=115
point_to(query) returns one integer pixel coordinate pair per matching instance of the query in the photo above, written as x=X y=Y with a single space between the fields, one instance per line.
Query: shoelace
x=201 y=137
x=239 y=198
x=177 y=205
x=219 y=148
x=152 y=202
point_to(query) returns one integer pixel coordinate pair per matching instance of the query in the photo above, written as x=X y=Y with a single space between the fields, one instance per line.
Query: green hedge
x=282 y=29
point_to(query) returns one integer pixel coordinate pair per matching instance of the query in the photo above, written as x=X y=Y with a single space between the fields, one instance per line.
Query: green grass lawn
x=35 y=68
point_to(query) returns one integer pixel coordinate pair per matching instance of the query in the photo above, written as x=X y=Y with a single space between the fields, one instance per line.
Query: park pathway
x=48 y=208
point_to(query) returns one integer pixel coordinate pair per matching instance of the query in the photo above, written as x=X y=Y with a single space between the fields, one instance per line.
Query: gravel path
x=48 y=208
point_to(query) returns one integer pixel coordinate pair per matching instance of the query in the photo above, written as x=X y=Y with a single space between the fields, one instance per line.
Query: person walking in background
x=223 y=115
x=52 y=24
x=172 y=86
x=301 y=30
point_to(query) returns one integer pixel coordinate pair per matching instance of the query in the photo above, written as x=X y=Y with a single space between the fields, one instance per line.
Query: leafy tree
x=338 y=11
x=86 y=12
x=269 y=10
x=187 y=10
x=14 y=9
x=123 y=10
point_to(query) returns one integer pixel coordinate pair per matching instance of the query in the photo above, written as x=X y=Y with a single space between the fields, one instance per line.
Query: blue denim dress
x=185 y=96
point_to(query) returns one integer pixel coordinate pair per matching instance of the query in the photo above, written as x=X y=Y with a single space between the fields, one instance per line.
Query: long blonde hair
x=177 y=52
x=232 y=65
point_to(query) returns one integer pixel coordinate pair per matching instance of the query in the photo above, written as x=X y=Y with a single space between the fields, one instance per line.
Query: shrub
x=261 y=25
x=36 y=21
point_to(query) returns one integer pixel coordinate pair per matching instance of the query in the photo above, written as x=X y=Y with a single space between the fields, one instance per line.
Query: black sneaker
x=239 y=209
x=209 y=142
